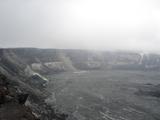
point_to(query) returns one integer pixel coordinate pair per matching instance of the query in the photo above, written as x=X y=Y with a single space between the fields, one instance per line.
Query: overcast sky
x=84 y=24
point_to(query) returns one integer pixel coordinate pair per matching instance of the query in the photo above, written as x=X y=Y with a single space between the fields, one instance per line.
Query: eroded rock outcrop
x=12 y=104
x=18 y=104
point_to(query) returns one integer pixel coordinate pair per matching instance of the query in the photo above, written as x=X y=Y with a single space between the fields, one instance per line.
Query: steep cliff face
x=89 y=60
x=12 y=103
x=28 y=64
x=28 y=61
x=18 y=101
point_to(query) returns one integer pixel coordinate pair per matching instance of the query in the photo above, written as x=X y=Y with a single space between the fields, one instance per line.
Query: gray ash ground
x=107 y=95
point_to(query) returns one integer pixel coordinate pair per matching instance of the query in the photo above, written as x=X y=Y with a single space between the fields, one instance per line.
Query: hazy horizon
x=81 y=24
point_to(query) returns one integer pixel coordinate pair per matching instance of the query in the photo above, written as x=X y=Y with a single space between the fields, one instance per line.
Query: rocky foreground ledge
x=17 y=105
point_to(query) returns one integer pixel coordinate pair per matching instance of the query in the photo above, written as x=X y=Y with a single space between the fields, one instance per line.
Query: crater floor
x=107 y=95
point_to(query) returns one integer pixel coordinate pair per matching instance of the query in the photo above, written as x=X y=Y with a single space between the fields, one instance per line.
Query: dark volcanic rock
x=14 y=111
x=13 y=104
x=152 y=93
x=37 y=81
x=22 y=98
x=10 y=107
x=150 y=90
